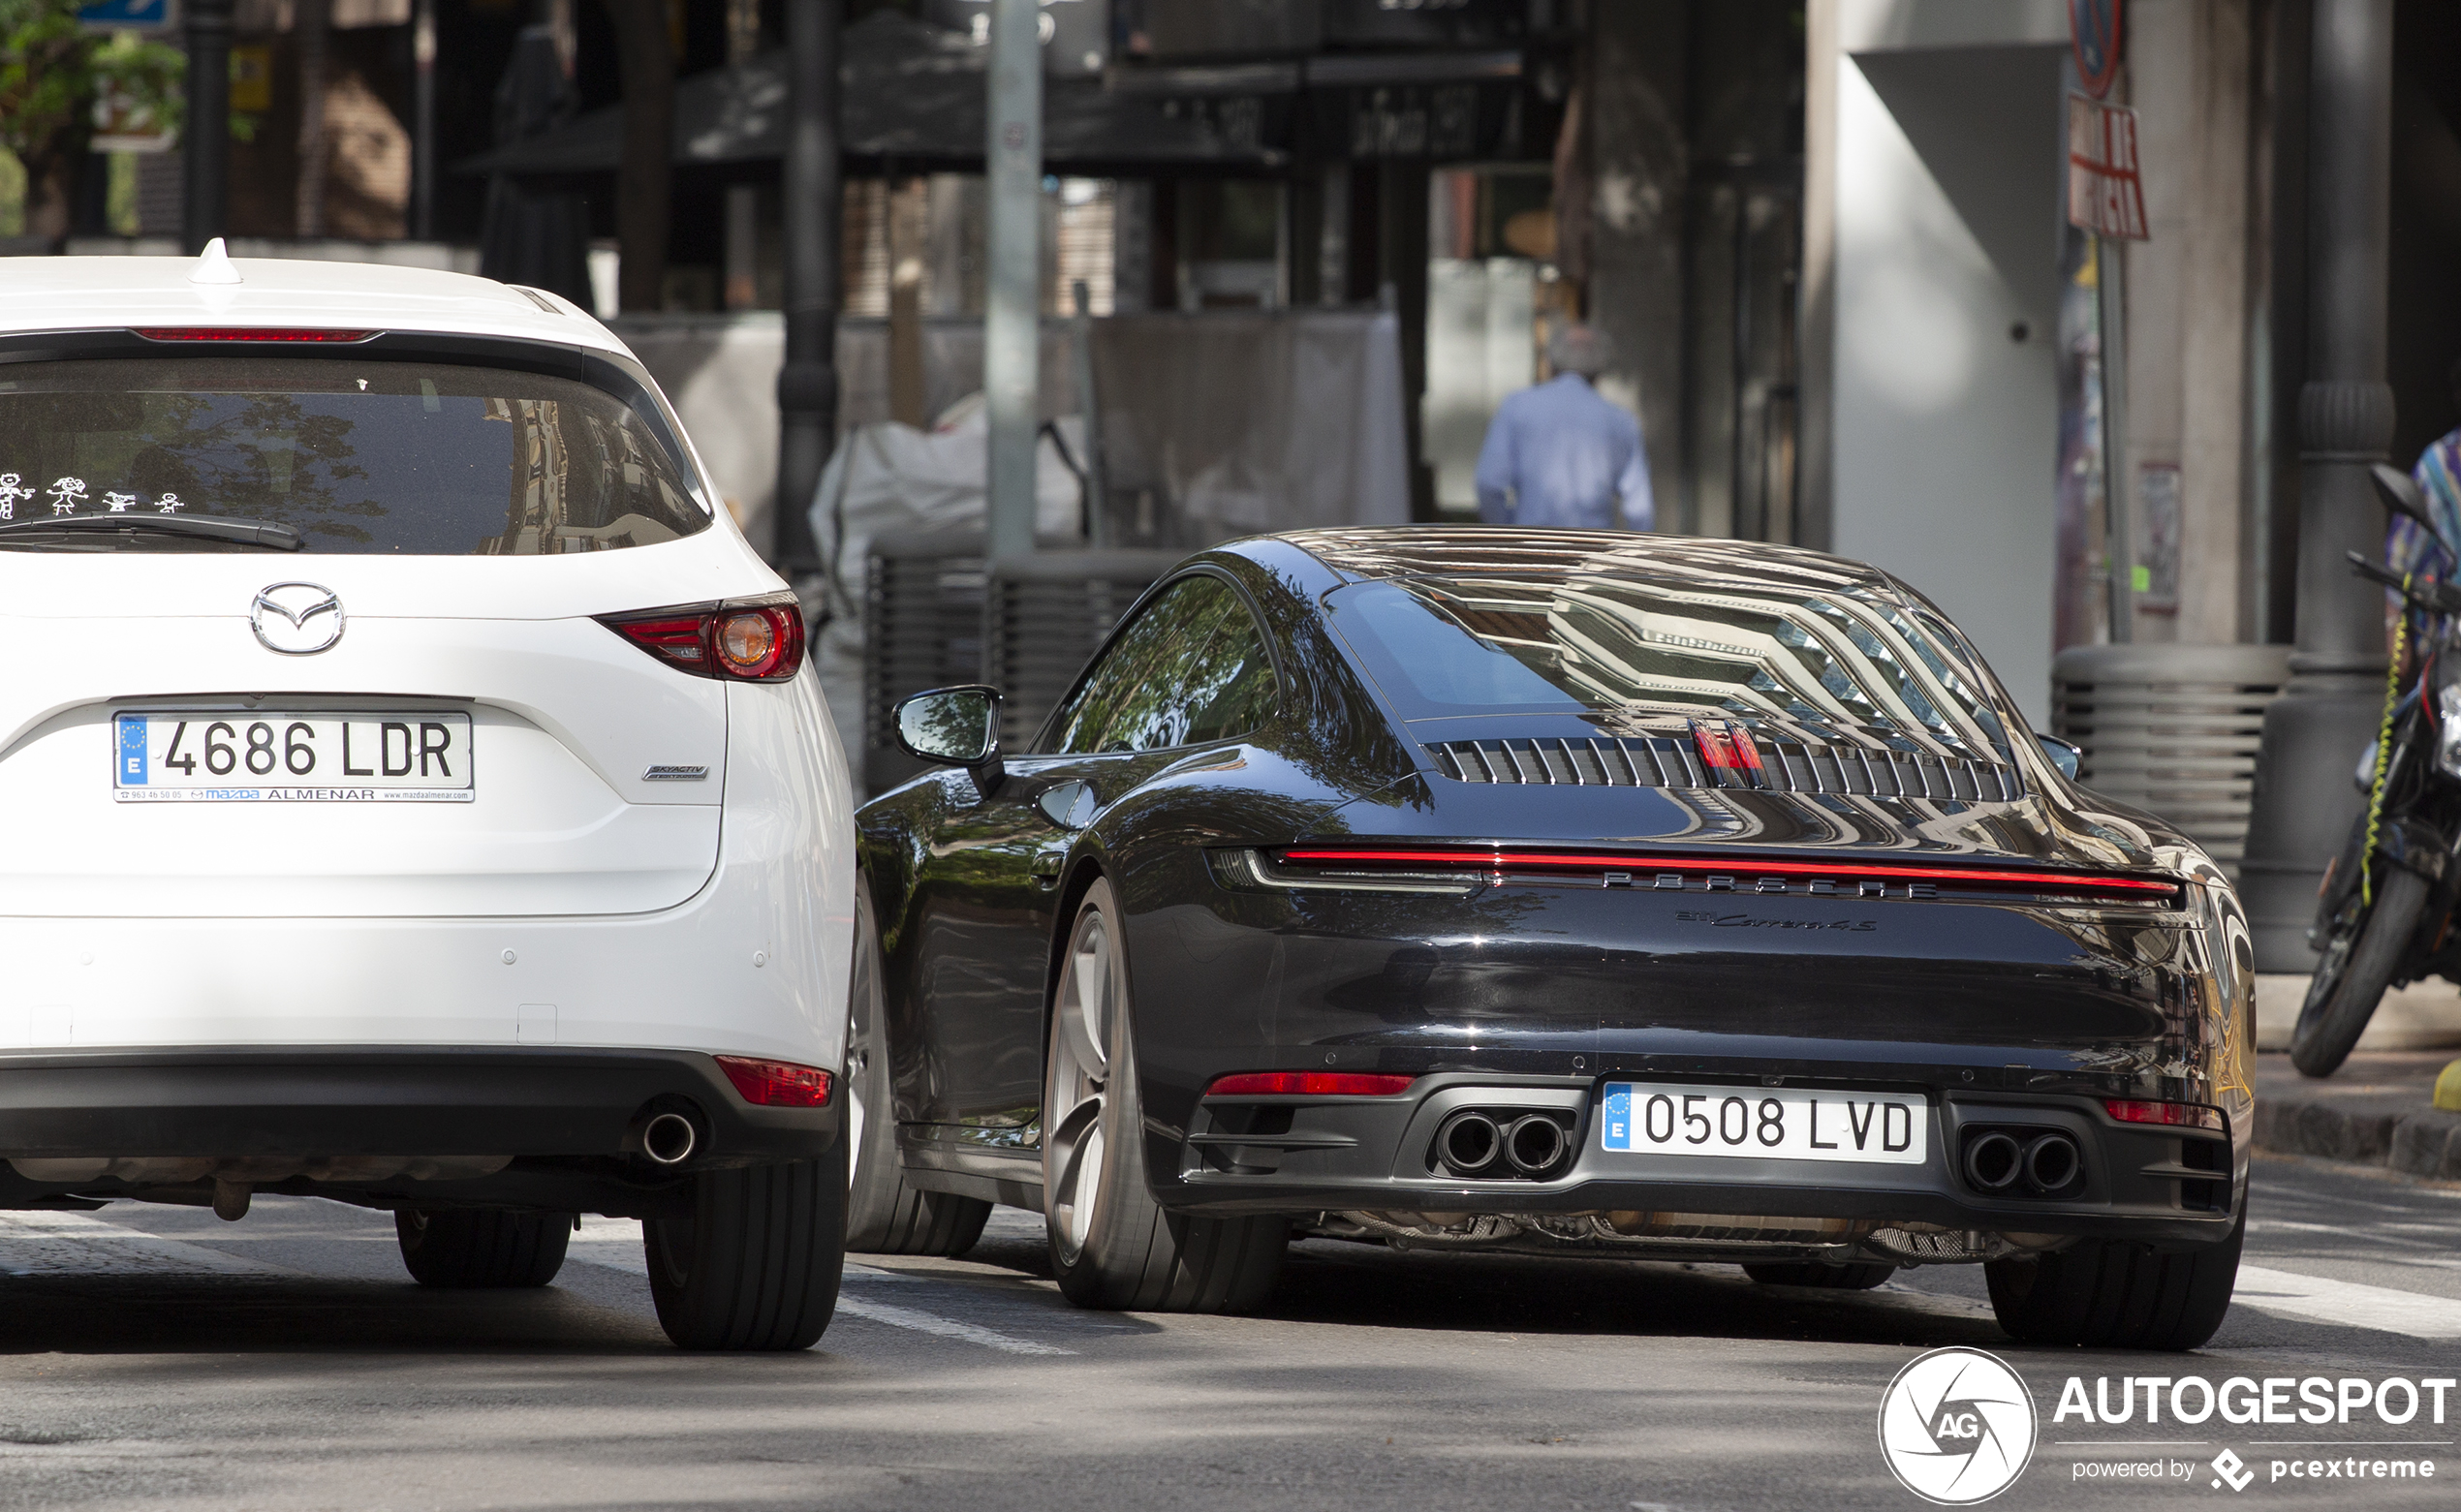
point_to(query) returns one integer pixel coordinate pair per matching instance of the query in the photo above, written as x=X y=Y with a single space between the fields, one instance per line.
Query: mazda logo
x=296 y=619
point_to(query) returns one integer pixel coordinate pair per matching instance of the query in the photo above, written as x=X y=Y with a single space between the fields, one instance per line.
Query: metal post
x=1097 y=492
x=2304 y=801
x=744 y=200
x=205 y=147
x=2119 y=530
x=423 y=121
x=1011 y=356
x=812 y=202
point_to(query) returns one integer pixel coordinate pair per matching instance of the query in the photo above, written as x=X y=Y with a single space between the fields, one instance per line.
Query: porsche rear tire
x=758 y=1264
x=1112 y=1245
x=1827 y=1277
x=884 y=1214
x=2111 y=1294
x=470 y=1248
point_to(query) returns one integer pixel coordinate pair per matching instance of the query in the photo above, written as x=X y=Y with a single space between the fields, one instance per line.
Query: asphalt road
x=157 y=1357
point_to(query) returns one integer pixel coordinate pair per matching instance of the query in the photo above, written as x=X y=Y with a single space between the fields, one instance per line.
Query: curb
x=2390 y=1131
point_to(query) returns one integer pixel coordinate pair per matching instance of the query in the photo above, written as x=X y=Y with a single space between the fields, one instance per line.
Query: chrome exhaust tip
x=668 y=1139
x=1994 y=1161
x=1468 y=1143
x=1533 y=1144
x=2052 y=1163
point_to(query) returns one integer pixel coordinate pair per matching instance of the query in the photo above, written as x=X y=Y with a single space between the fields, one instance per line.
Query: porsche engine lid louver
x=1668 y=761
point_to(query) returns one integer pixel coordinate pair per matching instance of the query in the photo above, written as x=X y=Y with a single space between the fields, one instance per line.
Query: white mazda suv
x=420 y=797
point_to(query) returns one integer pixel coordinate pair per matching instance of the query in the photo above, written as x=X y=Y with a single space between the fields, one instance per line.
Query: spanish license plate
x=1764 y=1123
x=219 y=757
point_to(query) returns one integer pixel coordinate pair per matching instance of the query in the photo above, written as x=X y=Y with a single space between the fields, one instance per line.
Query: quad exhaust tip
x=2048 y=1164
x=668 y=1139
x=1469 y=1143
x=1476 y=1143
x=1533 y=1144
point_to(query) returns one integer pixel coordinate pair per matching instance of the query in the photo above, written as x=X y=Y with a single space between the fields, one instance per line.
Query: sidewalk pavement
x=2379 y=1109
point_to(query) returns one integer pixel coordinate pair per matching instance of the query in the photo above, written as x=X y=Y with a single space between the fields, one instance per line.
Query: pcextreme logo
x=1957 y=1427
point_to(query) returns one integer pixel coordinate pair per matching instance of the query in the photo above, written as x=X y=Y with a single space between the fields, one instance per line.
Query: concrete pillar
x=1634 y=90
x=2313 y=733
x=2187 y=311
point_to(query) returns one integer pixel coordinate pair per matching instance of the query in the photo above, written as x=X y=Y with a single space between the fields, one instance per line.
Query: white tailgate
x=566 y=719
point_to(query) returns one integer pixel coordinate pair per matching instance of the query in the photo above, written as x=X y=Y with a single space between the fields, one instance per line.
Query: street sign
x=2093 y=30
x=129 y=16
x=2106 y=195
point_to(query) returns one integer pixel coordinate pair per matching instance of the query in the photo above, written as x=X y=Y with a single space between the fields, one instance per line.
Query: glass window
x=1192 y=668
x=422 y=459
x=1804 y=662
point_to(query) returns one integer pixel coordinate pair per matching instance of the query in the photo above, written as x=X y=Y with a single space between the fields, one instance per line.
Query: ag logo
x=1957 y=1427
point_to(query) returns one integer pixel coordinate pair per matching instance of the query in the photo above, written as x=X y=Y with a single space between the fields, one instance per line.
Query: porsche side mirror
x=955 y=726
x=2064 y=757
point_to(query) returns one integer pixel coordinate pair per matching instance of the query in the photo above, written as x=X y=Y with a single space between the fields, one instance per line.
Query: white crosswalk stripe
x=2315 y=1299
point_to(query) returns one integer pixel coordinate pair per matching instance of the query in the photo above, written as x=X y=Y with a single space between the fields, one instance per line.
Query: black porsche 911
x=1554 y=893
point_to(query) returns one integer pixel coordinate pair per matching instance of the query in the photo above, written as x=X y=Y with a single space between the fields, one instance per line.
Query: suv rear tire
x=463 y=1248
x=2112 y=1294
x=758 y=1264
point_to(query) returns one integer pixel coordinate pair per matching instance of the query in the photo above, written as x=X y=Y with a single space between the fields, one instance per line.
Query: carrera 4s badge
x=1747 y=922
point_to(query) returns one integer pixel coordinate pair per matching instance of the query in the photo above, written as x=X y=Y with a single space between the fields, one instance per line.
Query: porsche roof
x=1485 y=550
x=115 y=294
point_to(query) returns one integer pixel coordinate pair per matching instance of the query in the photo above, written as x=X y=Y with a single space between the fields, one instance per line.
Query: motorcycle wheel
x=2360 y=956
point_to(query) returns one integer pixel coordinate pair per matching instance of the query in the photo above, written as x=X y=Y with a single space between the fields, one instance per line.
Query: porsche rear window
x=364 y=456
x=1811 y=663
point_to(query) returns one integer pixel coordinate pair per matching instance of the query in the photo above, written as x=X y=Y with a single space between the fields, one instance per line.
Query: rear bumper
x=1376 y=1154
x=313 y=1103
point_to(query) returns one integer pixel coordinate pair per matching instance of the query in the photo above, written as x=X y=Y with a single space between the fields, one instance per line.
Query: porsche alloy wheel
x=1111 y=1245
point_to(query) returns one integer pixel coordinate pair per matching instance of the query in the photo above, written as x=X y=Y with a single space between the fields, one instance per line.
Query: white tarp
x=890 y=476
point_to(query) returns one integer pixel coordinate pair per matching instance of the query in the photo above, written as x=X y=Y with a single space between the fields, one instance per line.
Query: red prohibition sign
x=2093 y=29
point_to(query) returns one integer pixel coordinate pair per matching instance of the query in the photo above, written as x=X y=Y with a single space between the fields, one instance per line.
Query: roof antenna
x=213 y=266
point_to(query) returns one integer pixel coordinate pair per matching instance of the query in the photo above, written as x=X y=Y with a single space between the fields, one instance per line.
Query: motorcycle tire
x=2352 y=977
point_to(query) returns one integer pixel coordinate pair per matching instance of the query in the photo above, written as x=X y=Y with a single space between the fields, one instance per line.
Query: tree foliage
x=51 y=69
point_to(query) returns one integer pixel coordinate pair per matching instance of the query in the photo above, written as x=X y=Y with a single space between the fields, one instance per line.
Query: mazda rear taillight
x=1308 y=1083
x=753 y=641
x=271 y=333
x=776 y=1084
x=2188 y=1114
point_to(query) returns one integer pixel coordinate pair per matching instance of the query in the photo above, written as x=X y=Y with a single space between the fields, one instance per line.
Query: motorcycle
x=2385 y=912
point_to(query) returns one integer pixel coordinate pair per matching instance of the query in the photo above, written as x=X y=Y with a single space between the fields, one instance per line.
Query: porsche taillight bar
x=1500 y=860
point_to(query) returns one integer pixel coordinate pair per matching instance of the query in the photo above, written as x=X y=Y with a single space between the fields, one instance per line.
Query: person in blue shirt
x=1561 y=454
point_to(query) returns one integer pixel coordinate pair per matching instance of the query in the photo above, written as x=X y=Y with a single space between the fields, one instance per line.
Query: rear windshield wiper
x=238 y=532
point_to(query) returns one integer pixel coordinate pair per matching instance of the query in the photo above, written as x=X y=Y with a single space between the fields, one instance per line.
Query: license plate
x=1764 y=1123
x=218 y=757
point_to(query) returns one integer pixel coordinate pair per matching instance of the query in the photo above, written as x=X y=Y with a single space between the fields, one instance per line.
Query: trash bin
x=2171 y=728
x=923 y=628
x=927 y=624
